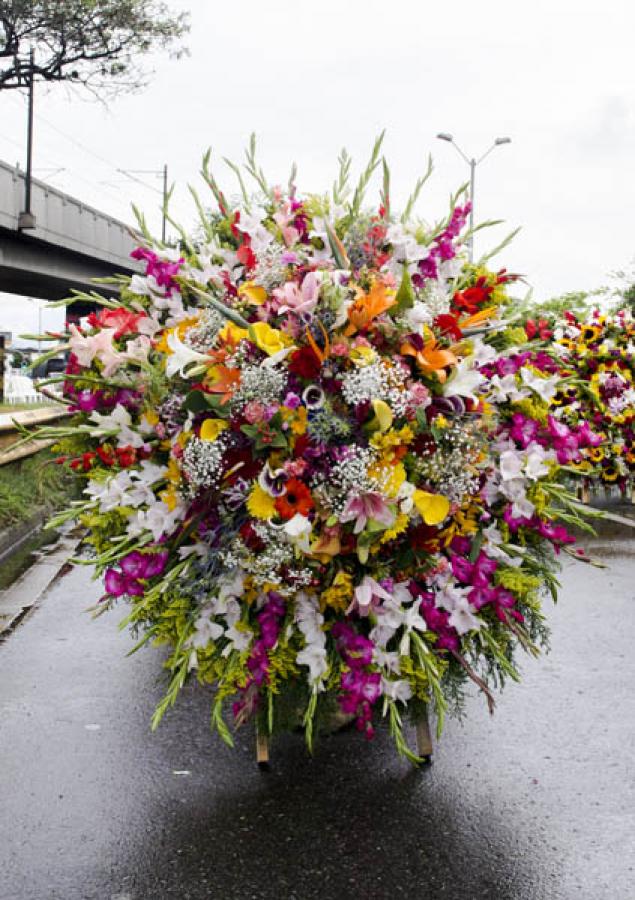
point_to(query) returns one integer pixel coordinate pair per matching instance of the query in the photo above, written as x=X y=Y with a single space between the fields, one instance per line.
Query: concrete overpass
x=71 y=244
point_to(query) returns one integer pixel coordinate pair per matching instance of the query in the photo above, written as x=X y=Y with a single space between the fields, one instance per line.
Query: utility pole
x=165 y=202
x=26 y=219
x=162 y=173
x=472 y=163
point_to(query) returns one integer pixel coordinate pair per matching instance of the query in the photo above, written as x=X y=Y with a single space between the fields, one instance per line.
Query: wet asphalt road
x=537 y=803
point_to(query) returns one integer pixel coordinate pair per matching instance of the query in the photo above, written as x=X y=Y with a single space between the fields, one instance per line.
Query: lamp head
x=503 y=140
x=444 y=136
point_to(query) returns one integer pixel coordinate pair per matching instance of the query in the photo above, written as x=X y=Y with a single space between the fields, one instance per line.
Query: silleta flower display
x=315 y=469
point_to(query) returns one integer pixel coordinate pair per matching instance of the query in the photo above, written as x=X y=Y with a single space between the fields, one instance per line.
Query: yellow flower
x=386 y=443
x=362 y=356
x=270 y=340
x=260 y=504
x=232 y=334
x=254 y=293
x=173 y=473
x=169 y=497
x=433 y=508
x=211 y=428
x=150 y=416
x=389 y=476
x=339 y=594
x=383 y=416
x=440 y=421
x=398 y=527
x=299 y=419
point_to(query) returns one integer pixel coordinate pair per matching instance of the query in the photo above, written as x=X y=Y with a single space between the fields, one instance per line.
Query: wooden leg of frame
x=424 y=739
x=262 y=749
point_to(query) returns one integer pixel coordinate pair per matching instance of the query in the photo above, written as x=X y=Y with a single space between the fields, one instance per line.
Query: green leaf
x=405 y=295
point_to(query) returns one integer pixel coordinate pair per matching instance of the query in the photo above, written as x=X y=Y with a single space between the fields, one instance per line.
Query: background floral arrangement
x=314 y=469
x=597 y=357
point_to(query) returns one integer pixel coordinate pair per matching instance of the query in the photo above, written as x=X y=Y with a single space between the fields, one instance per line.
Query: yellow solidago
x=466 y=519
x=339 y=595
x=533 y=409
x=260 y=504
x=515 y=580
x=282 y=666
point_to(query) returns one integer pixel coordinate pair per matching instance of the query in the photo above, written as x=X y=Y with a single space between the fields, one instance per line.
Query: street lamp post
x=472 y=163
x=26 y=219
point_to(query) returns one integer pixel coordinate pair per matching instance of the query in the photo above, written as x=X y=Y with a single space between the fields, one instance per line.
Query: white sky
x=557 y=76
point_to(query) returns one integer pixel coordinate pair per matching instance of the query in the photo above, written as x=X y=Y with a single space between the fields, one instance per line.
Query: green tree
x=629 y=297
x=99 y=44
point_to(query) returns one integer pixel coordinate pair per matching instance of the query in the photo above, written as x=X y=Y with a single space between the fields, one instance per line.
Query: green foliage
x=97 y=44
x=31 y=485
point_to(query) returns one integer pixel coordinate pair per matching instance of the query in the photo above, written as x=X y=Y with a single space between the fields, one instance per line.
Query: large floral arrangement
x=596 y=357
x=310 y=471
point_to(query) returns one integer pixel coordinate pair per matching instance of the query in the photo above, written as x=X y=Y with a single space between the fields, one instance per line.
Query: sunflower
x=610 y=473
x=597 y=454
x=590 y=333
x=297 y=500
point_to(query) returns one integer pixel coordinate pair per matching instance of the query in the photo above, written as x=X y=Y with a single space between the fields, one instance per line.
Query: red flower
x=126 y=456
x=304 y=363
x=296 y=500
x=448 y=324
x=122 y=320
x=83 y=462
x=106 y=455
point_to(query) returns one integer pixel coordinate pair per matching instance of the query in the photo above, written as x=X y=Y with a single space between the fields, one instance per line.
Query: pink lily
x=366 y=506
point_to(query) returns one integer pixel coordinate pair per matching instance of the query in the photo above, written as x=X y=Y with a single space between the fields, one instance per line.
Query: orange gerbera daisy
x=296 y=500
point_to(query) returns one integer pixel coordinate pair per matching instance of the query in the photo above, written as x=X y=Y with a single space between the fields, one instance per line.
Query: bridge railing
x=65 y=221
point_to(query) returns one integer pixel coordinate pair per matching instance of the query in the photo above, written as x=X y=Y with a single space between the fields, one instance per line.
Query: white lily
x=181 y=356
x=464 y=380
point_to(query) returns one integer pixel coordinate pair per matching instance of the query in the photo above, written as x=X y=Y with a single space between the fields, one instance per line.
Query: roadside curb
x=17 y=601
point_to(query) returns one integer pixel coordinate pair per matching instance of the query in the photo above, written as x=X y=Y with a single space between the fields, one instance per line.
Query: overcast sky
x=557 y=76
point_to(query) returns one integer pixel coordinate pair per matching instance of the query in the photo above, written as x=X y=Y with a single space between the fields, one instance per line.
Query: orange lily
x=430 y=358
x=225 y=381
x=367 y=307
